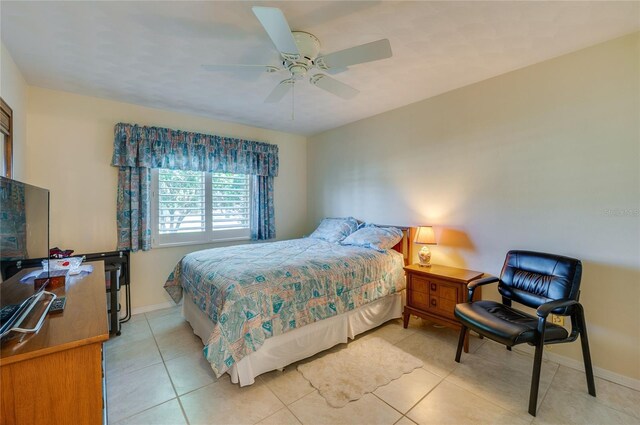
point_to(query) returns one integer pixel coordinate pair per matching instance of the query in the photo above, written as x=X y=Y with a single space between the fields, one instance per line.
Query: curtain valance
x=155 y=147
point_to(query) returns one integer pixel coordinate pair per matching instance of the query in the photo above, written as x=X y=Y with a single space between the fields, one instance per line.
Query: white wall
x=13 y=89
x=544 y=158
x=70 y=143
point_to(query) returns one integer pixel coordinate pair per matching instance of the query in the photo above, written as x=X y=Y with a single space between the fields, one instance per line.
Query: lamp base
x=424 y=255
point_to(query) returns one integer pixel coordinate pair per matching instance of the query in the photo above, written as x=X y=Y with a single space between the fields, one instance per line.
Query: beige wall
x=544 y=158
x=13 y=89
x=69 y=150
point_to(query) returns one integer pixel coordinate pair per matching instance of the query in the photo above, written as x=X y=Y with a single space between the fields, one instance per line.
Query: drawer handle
x=433 y=301
x=433 y=287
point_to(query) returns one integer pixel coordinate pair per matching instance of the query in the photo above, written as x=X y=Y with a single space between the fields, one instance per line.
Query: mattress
x=255 y=292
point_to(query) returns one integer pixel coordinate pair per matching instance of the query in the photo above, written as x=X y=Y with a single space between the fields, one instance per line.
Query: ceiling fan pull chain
x=293 y=101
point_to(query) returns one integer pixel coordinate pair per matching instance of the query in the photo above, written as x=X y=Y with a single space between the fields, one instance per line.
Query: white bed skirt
x=298 y=344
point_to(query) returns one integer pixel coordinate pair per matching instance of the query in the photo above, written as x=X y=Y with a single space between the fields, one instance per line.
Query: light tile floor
x=156 y=375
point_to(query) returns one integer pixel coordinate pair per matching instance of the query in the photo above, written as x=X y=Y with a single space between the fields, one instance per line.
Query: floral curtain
x=138 y=149
x=154 y=147
x=263 y=225
x=134 y=208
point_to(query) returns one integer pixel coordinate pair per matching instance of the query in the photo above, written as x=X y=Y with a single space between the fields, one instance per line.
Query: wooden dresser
x=433 y=292
x=56 y=376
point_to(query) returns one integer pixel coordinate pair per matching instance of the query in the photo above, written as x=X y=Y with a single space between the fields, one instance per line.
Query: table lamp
x=425 y=236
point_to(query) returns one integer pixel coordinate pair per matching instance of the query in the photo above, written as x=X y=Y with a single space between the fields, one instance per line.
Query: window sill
x=212 y=242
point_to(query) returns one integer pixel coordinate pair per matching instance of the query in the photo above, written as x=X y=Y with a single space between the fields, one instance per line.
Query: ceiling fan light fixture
x=298 y=70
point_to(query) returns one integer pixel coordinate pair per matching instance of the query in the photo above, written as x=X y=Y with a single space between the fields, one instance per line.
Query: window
x=6 y=141
x=192 y=207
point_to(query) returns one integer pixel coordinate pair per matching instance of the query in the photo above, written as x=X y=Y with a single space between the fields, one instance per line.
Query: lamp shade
x=425 y=235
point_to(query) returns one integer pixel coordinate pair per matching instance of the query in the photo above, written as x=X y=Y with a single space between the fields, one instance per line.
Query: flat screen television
x=24 y=221
x=24 y=238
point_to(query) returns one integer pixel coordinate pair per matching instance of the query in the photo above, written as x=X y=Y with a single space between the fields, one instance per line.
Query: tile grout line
x=199 y=388
x=435 y=386
x=142 y=411
x=294 y=415
x=283 y=408
x=401 y=417
x=271 y=391
x=174 y=390
x=595 y=399
x=509 y=409
x=297 y=399
x=516 y=413
x=428 y=392
x=184 y=413
x=379 y=398
x=544 y=397
x=106 y=376
x=286 y=406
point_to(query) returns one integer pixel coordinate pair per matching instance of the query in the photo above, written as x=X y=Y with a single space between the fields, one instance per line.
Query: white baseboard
x=153 y=307
x=579 y=365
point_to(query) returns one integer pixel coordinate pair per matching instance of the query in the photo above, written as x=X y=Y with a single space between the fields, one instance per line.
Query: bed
x=260 y=307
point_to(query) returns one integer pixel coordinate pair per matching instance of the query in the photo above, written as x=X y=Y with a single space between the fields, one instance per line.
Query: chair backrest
x=534 y=278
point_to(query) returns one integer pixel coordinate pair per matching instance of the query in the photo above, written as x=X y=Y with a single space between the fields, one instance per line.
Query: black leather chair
x=546 y=282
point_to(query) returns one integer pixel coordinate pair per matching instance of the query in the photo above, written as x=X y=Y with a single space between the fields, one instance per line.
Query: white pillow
x=374 y=237
x=335 y=229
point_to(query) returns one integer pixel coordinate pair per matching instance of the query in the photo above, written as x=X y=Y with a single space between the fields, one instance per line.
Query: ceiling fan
x=300 y=52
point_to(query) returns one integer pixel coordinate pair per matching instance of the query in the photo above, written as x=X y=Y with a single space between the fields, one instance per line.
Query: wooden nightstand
x=433 y=292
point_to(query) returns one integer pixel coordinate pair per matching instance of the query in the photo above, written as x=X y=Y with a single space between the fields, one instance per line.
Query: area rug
x=360 y=368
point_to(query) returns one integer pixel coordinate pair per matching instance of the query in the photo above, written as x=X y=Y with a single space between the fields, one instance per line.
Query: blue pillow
x=374 y=237
x=335 y=229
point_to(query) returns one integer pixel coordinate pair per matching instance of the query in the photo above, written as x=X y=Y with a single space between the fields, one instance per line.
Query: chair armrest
x=545 y=309
x=471 y=286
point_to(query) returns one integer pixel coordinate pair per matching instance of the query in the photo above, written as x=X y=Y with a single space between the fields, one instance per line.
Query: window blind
x=181 y=201
x=230 y=201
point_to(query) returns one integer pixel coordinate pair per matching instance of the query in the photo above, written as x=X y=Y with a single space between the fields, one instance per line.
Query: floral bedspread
x=255 y=291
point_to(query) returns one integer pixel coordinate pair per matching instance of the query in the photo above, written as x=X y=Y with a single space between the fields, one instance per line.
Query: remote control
x=58 y=305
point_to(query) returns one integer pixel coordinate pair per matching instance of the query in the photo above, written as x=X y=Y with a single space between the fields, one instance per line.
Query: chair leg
x=463 y=332
x=586 y=354
x=535 y=379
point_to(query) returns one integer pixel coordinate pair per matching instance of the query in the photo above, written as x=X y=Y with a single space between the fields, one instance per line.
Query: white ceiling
x=149 y=53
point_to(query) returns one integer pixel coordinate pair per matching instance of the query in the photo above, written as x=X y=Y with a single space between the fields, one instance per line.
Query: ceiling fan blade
x=241 y=67
x=373 y=51
x=274 y=22
x=333 y=86
x=335 y=71
x=279 y=91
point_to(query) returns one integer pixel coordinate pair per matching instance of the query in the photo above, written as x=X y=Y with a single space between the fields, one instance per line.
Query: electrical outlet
x=557 y=320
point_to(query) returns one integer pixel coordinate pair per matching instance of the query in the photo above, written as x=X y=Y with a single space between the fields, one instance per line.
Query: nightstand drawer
x=419 y=284
x=448 y=292
x=419 y=300
x=443 y=306
x=443 y=290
